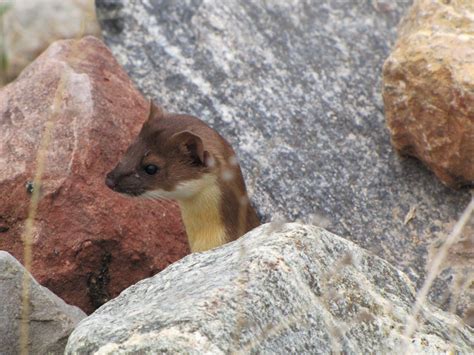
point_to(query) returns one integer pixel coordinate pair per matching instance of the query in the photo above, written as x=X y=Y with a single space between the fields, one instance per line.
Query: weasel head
x=167 y=160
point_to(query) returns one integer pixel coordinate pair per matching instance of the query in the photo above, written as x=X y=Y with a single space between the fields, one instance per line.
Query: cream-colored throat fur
x=201 y=214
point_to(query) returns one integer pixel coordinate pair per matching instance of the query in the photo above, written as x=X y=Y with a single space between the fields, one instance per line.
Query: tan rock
x=428 y=88
x=30 y=26
x=89 y=242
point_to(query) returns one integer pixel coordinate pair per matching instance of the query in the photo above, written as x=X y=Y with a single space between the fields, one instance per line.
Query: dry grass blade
x=35 y=199
x=410 y=215
x=433 y=272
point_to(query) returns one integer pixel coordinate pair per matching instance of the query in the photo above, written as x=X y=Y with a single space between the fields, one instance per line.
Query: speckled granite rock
x=428 y=89
x=280 y=289
x=51 y=319
x=295 y=87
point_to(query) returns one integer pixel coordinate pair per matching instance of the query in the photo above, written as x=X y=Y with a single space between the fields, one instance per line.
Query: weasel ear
x=191 y=145
x=154 y=111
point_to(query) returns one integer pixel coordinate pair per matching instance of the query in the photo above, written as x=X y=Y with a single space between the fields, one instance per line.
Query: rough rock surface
x=280 y=289
x=428 y=88
x=51 y=319
x=29 y=27
x=295 y=87
x=89 y=243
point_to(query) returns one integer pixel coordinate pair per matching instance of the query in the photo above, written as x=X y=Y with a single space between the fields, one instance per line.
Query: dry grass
x=33 y=208
x=433 y=272
x=40 y=163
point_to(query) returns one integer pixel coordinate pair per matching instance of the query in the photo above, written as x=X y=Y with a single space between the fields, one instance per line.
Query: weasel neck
x=202 y=219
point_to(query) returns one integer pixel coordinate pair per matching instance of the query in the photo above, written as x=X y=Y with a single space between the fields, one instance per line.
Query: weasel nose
x=109 y=181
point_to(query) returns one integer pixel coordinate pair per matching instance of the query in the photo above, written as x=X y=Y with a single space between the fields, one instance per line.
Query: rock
x=280 y=289
x=428 y=89
x=294 y=86
x=51 y=319
x=89 y=243
x=29 y=27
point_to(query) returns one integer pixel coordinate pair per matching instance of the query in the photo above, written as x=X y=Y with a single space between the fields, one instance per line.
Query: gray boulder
x=51 y=319
x=280 y=289
x=295 y=87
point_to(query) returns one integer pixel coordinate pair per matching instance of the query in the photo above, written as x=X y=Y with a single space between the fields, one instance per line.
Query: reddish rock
x=89 y=242
x=428 y=88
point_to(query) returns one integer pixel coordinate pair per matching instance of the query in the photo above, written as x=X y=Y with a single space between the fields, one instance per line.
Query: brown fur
x=190 y=156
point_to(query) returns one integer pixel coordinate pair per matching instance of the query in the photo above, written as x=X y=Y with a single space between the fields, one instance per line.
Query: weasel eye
x=151 y=169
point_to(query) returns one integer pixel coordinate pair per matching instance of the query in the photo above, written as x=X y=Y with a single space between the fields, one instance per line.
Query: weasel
x=179 y=157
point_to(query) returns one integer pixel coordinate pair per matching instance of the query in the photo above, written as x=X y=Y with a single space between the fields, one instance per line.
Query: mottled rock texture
x=51 y=319
x=29 y=27
x=295 y=87
x=428 y=88
x=89 y=243
x=280 y=289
